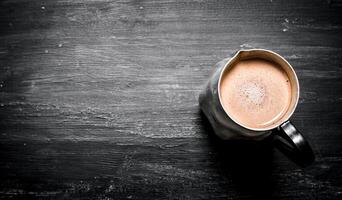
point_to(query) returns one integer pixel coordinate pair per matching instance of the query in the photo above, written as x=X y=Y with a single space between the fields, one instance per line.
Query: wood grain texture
x=98 y=99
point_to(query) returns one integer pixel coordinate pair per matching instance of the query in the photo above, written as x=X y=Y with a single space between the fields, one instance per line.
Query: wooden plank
x=98 y=99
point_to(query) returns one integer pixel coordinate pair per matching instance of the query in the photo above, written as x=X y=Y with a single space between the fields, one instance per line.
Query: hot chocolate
x=255 y=93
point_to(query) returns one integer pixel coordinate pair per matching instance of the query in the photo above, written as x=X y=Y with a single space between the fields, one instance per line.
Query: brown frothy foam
x=256 y=93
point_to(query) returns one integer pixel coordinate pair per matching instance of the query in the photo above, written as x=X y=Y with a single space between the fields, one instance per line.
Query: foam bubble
x=252 y=92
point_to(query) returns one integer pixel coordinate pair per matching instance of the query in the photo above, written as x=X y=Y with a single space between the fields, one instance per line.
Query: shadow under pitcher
x=251 y=96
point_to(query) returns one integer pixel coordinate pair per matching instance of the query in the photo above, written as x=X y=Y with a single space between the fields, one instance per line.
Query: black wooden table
x=98 y=99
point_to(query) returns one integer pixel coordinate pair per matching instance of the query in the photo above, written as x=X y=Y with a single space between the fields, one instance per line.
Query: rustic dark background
x=98 y=99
